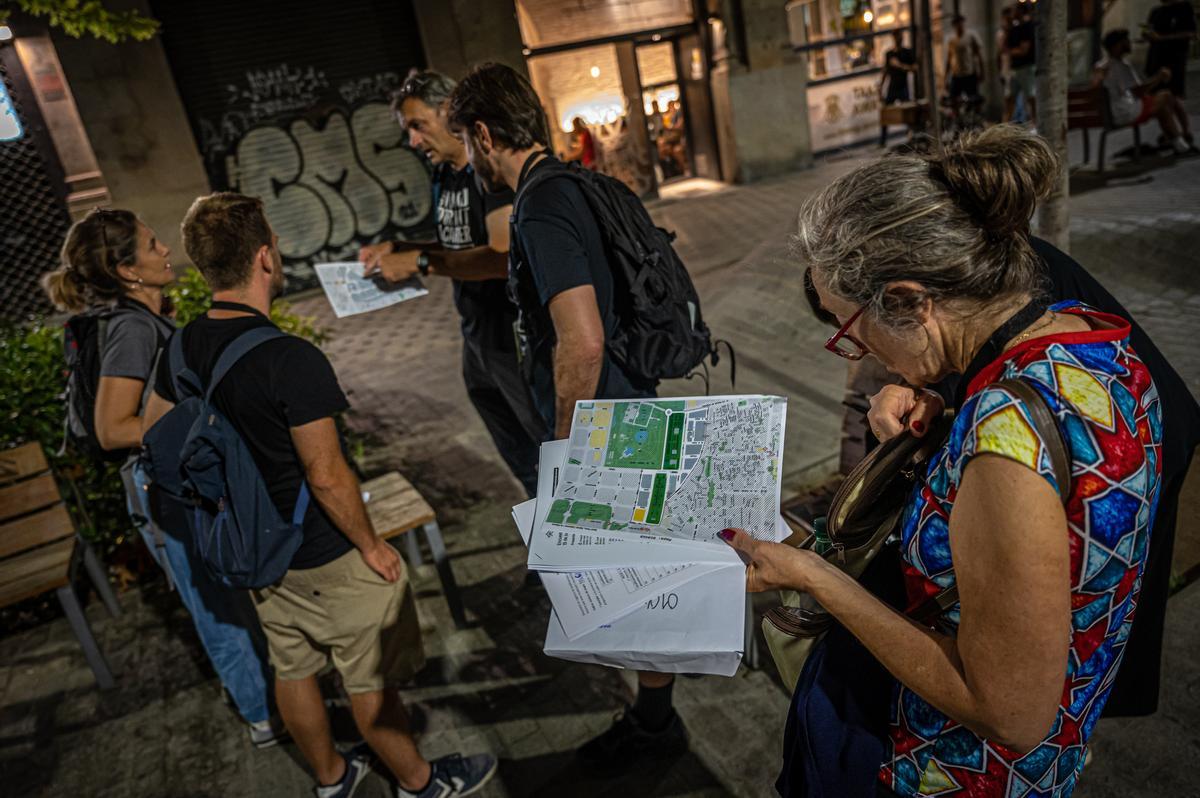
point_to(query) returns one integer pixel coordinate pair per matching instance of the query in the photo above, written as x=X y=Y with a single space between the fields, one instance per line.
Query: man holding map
x=564 y=285
x=472 y=250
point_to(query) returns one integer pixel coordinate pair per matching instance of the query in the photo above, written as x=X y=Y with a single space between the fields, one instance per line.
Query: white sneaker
x=267 y=733
x=358 y=766
x=1180 y=146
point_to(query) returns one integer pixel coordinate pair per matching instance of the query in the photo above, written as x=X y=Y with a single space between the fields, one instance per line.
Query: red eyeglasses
x=837 y=343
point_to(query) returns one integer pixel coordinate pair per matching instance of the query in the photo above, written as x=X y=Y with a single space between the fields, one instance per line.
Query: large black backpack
x=84 y=338
x=660 y=333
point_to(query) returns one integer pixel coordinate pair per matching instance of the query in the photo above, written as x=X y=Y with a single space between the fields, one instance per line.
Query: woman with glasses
x=925 y=263
x=111 y=259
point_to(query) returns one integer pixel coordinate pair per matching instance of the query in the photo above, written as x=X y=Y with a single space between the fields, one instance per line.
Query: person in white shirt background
x=1134 y=101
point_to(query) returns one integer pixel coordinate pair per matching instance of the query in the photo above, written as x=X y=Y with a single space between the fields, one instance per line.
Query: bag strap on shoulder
x=1047 y=427
x=1060 y=460
x=183 y=379
x=236 y=350
x=530 y=180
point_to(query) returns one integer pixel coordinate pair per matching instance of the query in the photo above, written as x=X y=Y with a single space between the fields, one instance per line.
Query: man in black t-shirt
x=564 y=287
x=1021 y=45
x=1170 y=30
x=471 y=249
x=345 y=598
x=899 y=63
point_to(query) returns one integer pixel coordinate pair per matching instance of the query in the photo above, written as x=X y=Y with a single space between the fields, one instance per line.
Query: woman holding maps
x=926 y=264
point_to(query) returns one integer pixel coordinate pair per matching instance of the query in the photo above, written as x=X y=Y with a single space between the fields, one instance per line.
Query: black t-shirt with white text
x=280 y=384
x=462 y=207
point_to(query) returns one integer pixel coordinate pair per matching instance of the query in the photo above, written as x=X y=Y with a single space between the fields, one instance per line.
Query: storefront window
x=583 y=83
x=656 y=67
x=854 y=29
x=663 y=107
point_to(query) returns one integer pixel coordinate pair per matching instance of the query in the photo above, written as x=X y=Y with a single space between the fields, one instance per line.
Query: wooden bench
x=1088 y=108
x=40 y=550
x=396 y=508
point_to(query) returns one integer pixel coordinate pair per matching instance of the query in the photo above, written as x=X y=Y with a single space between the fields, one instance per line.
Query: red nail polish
x=918 y=426
x=726 y=534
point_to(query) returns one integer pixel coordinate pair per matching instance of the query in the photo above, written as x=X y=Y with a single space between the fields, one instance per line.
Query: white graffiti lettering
x=369 y=89
x=278 y=89
x=328 y=187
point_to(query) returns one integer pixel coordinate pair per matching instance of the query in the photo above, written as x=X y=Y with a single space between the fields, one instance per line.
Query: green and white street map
x=677 y=468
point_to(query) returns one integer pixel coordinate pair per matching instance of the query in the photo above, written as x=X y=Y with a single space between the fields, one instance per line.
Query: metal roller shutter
x=288 y=101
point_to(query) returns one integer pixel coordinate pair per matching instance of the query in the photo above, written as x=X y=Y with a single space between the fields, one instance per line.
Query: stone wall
x=760 y=106
x=458 y=34
x=138 y=129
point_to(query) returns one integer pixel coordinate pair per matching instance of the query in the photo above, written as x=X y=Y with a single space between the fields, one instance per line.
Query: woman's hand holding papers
x=772 y=566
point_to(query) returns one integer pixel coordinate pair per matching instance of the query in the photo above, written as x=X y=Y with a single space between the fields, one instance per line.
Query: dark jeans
x=224 y=618
x=502 y=399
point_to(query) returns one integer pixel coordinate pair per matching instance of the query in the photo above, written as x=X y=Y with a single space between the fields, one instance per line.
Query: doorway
x=666 y=117
x=639 y=96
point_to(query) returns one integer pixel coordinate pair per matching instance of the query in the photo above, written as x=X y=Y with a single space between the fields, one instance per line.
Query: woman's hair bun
x=998 y=176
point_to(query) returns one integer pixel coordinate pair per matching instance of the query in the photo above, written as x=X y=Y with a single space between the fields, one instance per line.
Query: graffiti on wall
x=329 y=162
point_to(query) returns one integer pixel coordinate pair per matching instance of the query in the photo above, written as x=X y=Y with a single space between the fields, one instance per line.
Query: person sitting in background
x=583 y=146
x=899 y=63
x=111 y=257
x=1134 y=101
x=925 y=264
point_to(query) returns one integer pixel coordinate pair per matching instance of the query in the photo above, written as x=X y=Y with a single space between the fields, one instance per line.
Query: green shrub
x=192 y=298
x=32 y=407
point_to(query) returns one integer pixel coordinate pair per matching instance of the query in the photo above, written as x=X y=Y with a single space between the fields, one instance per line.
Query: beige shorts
x=345 y=613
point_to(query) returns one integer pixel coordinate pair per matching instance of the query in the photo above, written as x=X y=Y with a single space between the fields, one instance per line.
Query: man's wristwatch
x=423 y=263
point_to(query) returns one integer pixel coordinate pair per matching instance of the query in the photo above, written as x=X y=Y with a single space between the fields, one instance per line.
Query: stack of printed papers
x=624 y=528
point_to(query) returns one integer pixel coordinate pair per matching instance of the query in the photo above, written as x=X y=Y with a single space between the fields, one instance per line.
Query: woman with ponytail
x=113 y=261
x=110 y=258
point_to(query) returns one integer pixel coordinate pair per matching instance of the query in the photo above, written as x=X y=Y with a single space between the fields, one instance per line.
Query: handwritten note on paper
x=350 y=293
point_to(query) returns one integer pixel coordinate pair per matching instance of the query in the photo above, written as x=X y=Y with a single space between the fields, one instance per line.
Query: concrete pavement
x=165 y=732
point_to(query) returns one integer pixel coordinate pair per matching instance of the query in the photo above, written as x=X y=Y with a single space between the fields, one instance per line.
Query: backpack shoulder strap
x=538 y=177
x=183 y=379
x=1047 y=429
x=236 y=350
